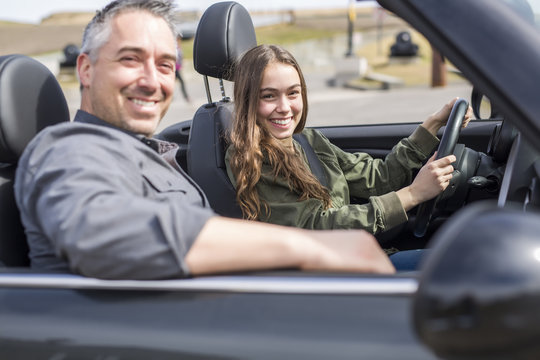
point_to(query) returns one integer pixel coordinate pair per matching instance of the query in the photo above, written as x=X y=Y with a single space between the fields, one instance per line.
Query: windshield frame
x=481 y=38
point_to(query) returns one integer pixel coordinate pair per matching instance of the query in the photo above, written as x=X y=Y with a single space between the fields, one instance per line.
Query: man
x=99 y=197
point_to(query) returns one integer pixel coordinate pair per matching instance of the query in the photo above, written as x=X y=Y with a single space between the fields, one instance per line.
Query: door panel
x=378 y=140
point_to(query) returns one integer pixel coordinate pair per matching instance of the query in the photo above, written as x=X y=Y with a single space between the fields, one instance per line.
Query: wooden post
x=351 y=17
x=438 y=69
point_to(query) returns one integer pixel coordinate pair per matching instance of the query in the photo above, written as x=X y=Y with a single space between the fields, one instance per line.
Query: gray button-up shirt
x=99 y=201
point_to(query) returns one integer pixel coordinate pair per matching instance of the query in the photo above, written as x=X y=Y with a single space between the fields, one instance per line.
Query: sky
x=32 y=11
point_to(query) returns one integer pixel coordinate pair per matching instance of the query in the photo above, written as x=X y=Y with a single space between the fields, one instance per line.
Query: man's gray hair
x=98 y=31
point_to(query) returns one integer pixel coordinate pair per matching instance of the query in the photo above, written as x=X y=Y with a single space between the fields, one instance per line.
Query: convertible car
x=475 y=296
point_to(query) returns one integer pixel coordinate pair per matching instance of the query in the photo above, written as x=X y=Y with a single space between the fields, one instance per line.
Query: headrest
x=224 y=33
x=30 y=99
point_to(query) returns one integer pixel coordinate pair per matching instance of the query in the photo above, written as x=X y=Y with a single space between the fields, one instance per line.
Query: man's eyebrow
x=170 y=57
x=134 y=49
x=140 y=50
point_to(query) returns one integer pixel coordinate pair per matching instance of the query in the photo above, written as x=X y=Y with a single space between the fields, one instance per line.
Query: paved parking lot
x=327 y=105
x=337 y=105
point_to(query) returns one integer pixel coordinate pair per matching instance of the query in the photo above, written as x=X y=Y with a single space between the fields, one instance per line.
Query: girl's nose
x=283 y=104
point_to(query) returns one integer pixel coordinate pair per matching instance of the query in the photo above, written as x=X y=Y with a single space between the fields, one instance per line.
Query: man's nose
x=149 y=77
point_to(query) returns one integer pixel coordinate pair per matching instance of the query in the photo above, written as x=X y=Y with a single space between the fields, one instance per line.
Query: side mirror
x=479 y=289
x=482 y=106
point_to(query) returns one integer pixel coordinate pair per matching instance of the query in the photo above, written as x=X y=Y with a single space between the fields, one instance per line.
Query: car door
x=287 y=315
x=377 y=140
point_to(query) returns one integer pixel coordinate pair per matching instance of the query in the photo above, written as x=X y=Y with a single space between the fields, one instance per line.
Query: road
x=327 y=105
x=336 y=105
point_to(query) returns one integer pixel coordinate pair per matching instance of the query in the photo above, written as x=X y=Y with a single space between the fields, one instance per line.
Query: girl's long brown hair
x=251 y=142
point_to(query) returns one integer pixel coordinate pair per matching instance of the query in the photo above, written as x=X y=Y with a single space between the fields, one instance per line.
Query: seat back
x=30 y=100
x=224 y=33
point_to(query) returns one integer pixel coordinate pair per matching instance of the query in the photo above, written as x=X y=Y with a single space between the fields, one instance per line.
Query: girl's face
x=280 y=101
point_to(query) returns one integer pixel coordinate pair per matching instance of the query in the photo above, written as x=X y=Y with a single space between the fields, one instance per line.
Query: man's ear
x=84 y=69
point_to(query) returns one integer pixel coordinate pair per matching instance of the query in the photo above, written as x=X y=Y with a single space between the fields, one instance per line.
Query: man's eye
x=128 y=59
x=168 y=66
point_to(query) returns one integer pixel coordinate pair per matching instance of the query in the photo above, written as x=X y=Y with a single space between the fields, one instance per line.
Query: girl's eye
x=267 y=96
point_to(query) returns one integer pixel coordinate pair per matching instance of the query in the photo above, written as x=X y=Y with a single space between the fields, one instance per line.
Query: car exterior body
x=295 y=315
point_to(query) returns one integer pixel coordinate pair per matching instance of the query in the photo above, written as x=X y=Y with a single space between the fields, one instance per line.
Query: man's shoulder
x=79 y=128
x=77 y=133
x=66 y=140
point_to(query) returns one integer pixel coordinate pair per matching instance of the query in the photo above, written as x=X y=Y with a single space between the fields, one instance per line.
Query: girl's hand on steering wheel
x=432 y=179
x=437 y=120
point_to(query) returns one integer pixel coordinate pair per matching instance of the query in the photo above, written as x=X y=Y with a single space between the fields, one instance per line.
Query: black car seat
x=224 y=33
x=30 y=99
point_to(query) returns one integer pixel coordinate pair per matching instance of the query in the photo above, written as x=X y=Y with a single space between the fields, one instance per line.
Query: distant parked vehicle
x=71 y=52
x=403 y=46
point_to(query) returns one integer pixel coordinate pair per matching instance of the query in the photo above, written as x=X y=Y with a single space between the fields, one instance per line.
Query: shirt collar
x=159 y=146
x=87 y=118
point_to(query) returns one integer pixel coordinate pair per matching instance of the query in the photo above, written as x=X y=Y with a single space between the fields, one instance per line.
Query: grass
x=278 y=34
x=411 y=73
x=288 y=33
x=414 y=72
x=13 y=24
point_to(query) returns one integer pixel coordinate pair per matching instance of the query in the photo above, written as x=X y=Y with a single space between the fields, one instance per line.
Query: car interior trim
x=240 y=284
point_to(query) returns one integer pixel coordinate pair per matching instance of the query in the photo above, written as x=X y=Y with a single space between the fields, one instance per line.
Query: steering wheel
x=446 y=147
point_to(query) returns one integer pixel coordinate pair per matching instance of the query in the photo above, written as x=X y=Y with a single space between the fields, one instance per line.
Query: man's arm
x=236 y=245
x=94 y=205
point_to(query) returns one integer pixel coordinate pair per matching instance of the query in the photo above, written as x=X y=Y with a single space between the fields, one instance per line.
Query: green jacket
x=349 y=175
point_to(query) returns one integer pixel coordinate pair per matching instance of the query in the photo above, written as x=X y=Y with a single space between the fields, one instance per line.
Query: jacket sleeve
x=367 y=177
x=379 y=214
x=382 y=210
x=349 y=174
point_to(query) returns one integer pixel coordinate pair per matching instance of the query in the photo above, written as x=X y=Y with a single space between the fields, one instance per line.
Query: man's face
x=132 y=81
